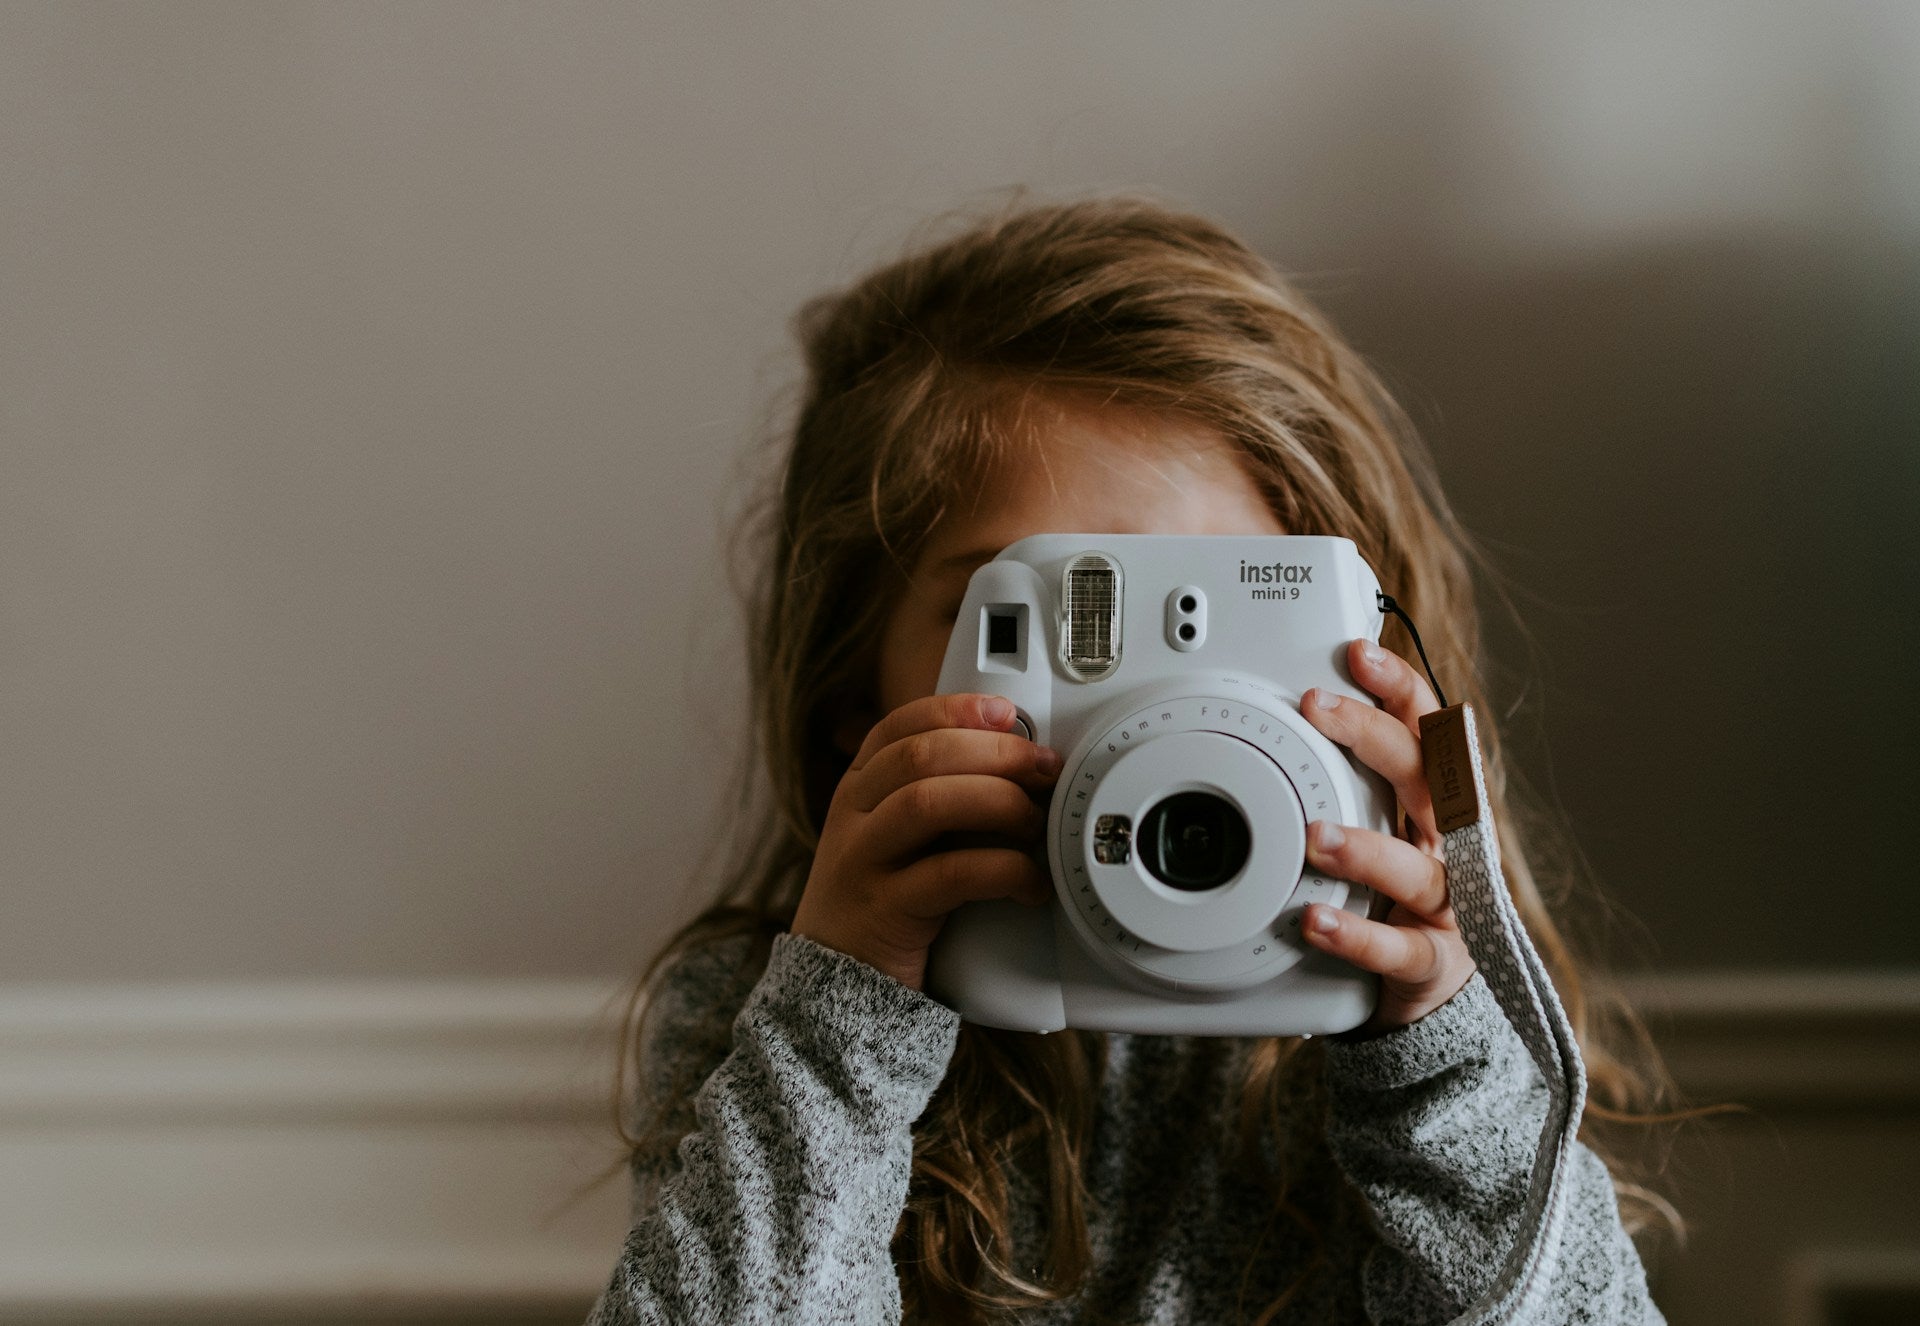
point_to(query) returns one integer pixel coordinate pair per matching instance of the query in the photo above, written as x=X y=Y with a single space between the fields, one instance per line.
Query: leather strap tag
x=1443 y=742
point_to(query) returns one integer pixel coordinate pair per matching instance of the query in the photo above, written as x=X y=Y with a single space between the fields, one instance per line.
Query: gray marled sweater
x=781 y=1199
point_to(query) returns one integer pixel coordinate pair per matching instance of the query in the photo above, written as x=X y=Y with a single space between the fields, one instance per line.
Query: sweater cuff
x=888 y=1043
x=1468 y=1027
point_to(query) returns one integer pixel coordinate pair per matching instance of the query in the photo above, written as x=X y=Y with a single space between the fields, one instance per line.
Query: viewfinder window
x=1003 y=633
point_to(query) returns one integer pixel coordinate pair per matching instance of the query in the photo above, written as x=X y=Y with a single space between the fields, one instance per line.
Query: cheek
x=910 y=658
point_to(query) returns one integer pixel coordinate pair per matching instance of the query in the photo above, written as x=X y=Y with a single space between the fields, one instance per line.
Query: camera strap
x=1507 y=960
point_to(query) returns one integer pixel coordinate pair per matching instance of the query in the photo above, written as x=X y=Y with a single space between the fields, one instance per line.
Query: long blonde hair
x=914 y=375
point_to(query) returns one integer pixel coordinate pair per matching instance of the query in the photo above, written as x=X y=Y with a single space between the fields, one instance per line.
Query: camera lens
x=1193 y=841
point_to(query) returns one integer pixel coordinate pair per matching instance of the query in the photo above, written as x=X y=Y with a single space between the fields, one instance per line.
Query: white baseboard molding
x=307 y=1152
x=350 y=1151
x=1788 y=1041
x=1818 y=1277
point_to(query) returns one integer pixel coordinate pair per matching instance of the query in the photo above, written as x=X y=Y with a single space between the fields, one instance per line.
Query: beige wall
x=374 y=378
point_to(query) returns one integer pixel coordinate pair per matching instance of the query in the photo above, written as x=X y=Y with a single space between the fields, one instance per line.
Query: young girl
x=820 y=1141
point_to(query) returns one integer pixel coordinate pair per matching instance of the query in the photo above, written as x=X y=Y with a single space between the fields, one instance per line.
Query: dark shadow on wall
x=1698 y=467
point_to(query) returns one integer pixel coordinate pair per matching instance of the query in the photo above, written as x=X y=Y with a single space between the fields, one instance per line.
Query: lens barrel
x=1194 y=841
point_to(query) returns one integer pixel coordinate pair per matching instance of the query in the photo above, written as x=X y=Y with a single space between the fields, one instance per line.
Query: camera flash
x=1090 y=644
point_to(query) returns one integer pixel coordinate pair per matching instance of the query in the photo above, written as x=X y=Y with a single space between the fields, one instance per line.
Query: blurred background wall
x=374 y=381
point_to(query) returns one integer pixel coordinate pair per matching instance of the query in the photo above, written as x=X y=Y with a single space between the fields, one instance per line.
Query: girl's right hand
x=934 y=766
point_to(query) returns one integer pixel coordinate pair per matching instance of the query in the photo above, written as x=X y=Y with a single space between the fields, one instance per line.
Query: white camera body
x=1167 y=670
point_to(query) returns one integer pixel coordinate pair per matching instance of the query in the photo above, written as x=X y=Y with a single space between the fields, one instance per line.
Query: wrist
x=908 y=969
x=1468 y=1028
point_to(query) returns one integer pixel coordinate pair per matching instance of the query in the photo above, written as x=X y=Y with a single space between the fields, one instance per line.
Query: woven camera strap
x=1513 y=971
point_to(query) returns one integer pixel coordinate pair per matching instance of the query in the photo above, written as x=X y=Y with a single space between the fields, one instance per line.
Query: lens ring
x=1129 y=765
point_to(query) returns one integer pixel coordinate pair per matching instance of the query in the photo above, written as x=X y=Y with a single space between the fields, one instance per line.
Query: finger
x=1403 y=691
x=913 y=816
x=1399 y=953
x=965 y=709
x=937 y=883
x=1381 y=742
x=951 y=750
x=1387 y=865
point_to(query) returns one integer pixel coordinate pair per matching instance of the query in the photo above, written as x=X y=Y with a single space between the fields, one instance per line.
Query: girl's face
x=1095 y=468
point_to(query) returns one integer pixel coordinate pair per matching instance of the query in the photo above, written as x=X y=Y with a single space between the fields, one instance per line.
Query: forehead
x=1083 y=466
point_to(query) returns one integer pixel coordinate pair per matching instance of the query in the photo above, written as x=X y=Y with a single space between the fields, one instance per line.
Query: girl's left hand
x=1416 y=948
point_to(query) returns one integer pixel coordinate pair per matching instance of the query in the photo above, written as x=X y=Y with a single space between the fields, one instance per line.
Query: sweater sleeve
x=1437 y=1123
x=780 y=1204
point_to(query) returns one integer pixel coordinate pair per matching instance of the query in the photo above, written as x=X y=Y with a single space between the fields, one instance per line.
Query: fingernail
x=1325 y=699
x=1325 y=920
x=1327 y=836
x=997 y=710
x=1374 y=654
x=1047 y=760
